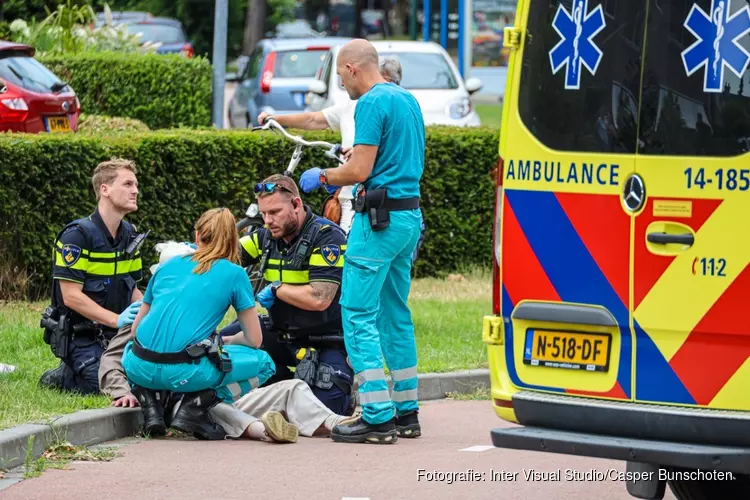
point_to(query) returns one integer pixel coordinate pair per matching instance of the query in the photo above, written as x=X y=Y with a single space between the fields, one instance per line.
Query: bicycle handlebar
x=333 y=149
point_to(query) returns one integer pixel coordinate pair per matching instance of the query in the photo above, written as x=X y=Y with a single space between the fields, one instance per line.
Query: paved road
x=456 y=440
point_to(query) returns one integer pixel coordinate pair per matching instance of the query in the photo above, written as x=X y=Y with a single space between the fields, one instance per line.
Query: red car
x=32 y=98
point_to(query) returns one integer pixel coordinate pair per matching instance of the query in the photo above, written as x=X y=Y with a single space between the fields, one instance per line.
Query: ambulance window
x=600 y=115
x=703 y=114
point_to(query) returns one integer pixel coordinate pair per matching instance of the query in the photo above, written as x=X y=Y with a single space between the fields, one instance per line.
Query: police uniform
x=86 y=253
x=287 y=328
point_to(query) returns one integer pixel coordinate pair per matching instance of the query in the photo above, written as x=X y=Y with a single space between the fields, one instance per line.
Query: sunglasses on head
x=269 y=187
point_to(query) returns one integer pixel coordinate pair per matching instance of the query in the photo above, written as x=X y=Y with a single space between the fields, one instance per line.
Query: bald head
x=357 y=65
x=359 y=52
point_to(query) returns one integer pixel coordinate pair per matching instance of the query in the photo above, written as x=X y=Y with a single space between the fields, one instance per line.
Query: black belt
x=170 y=358
x=394 y=204
x=402 y=204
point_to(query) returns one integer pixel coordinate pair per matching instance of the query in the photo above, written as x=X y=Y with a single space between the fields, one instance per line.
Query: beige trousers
x=291 y=397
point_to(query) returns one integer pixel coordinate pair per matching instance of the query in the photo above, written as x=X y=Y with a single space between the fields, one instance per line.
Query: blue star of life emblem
x=717 y=47
x=576 y=49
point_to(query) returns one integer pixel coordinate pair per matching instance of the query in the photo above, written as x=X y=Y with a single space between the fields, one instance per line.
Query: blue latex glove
x=310 y=180
x=332 y=189
x=128 y=315
x=265 y=297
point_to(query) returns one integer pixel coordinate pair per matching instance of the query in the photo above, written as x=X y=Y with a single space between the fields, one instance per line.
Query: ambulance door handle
x=667 y=238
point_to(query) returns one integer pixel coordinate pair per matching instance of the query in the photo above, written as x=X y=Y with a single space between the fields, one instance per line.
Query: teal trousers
x=376 y=316
x=250 y=369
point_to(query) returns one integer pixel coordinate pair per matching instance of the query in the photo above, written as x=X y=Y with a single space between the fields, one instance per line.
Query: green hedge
x=45 y=182
x=5 y=31
x=162 y=91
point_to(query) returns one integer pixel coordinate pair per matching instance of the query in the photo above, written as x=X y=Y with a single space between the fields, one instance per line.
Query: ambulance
x=621 y=298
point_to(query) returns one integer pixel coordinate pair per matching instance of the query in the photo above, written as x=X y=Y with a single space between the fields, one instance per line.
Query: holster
x=56 y=331
x=376 y=205
x=307 y=368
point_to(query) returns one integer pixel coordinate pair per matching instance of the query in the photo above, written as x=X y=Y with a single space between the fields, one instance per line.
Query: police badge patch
x=331 y=254
x=70 y=254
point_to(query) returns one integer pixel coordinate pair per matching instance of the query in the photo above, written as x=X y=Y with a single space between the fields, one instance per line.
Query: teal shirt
x=187 y=307
x=389 y=117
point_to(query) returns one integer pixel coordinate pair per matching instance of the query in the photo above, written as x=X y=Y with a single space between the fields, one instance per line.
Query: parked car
x=32 y=98
x=166 y=31
x=428 y=73
x=277 y=77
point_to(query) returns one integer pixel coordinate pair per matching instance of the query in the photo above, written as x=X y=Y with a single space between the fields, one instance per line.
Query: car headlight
x=252 y=210
x=459 y=109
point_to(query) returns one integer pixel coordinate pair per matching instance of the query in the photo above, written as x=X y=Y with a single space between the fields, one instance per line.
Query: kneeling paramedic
x=97 y=263
x=301 y=255
x=387 y=161
x=175 y=347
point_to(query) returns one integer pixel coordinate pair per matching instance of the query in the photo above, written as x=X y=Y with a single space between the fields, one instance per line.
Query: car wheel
x=709 y=489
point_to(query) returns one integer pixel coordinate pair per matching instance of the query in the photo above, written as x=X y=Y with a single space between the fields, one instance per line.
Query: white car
x=428 y=73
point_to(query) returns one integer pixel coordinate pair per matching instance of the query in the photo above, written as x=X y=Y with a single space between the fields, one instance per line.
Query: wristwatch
x=275 y=288
x=323 y=178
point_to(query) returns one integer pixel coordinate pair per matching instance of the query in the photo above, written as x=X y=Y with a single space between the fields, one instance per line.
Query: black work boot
x=407 y=425
x=152 y=405
x=359 y=431
x=192 y=416
x=171 y=400
x=54 y=378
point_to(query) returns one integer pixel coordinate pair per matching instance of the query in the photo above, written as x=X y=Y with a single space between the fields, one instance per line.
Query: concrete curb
x=85 y=427
x=89 y=427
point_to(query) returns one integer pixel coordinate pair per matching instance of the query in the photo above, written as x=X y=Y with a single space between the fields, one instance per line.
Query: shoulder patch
x=331 y=254
x=70 y=254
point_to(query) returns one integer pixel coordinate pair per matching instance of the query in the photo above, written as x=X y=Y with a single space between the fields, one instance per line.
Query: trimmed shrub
x=162 y=91
x=101 y=124
x=45 y=183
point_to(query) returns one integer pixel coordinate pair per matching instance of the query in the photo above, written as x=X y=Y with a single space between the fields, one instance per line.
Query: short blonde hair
x=106 y=172
x=287 y=183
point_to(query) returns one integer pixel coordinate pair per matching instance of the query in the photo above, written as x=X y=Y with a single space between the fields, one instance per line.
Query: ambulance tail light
x=497 y=240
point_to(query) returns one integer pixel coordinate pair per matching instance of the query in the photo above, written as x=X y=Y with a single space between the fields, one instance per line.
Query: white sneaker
x=7 y=368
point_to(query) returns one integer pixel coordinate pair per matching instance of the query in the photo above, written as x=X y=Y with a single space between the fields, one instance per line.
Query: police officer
x=387 y=161
x=303 y=260
x=97 y=264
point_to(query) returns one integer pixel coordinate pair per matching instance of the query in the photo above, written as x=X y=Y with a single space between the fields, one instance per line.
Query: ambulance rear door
x=691 y=289
x=568 y=148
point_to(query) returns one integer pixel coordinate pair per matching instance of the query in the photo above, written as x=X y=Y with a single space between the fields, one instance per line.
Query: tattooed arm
x=316 y=296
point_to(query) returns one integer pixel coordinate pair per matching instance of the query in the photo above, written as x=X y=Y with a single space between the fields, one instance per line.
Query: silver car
x=277 y=77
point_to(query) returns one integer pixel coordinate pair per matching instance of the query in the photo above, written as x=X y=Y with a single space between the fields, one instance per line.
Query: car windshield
x=424 y=70
x=26 y=72
x=298 y=63
x=163 y=33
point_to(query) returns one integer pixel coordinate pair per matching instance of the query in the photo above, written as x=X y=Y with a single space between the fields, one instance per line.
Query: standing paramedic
x=387 y=163
x=97 y=263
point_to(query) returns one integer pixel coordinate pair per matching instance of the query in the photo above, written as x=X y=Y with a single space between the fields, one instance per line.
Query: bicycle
x=254 y=220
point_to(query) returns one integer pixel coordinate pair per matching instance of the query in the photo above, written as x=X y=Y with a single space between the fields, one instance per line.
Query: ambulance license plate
x=571 y=350
x=58 y=124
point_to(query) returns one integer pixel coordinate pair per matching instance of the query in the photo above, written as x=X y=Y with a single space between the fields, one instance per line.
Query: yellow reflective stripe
x=108 y=268
x=272 y=275
x=250 y=244
x=129 y=266
x=83 y=250
x=291 y=277
x=275 y=262
x=81 y=265
x=295 y=277
x=103 y=255
x=319 y=261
